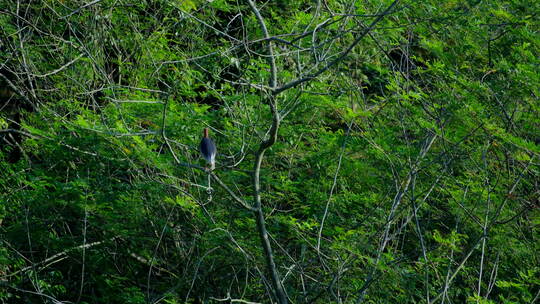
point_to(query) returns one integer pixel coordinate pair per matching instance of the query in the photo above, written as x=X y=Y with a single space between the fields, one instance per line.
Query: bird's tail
x=212 y=165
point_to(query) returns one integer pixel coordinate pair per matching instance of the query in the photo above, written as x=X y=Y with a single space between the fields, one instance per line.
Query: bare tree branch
x=340 y=57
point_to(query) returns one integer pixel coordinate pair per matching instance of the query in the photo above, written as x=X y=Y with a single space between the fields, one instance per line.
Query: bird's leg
x=209 y=189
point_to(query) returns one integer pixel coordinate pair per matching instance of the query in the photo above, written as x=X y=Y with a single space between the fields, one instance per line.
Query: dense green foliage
x=406 y=171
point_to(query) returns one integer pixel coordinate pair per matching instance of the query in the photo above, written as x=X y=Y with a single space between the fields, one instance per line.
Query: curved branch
x=271 y=57
x=280 y=294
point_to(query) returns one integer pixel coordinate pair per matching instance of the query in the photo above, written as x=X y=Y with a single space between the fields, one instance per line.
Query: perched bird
x=208 y=149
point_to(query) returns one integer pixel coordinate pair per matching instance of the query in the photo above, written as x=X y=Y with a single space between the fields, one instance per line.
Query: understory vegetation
x=368 y=151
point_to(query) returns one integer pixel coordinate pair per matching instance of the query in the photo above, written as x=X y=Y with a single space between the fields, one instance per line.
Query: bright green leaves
x=185 y=203
x=453 y=240
x=520 y=289
x=222 y=5
x=351 y=142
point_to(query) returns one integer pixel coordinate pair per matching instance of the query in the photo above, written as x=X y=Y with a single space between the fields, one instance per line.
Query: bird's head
x=205 y=132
